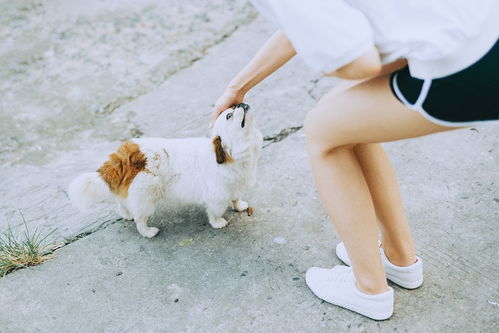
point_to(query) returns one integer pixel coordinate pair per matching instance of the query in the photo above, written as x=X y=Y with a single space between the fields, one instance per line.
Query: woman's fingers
x=227 y=100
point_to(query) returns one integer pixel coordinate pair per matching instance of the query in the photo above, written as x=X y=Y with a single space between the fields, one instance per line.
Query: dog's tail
x=88 y=189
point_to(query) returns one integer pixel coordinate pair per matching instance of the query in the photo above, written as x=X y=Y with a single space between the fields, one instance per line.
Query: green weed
x=26 y=249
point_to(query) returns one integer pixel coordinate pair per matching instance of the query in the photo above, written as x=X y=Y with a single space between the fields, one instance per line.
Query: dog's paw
x=218 y=222
x=149 y=232
x=240 y=205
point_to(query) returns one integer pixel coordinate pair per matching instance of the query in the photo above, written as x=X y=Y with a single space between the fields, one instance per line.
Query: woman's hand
x=229 y=98
x=273 y=54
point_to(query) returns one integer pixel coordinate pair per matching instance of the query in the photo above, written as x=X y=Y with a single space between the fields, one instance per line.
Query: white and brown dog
x=211 y=172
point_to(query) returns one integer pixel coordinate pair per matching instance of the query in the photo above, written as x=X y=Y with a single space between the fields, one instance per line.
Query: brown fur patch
x=221 y=154
x=122 y=167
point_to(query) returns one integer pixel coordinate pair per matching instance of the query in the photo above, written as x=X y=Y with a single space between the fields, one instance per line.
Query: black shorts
x=460 y=99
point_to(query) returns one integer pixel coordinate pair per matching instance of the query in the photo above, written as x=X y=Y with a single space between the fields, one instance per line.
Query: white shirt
x=438 y=37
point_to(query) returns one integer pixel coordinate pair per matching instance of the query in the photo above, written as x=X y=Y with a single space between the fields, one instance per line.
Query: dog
x=144 y=172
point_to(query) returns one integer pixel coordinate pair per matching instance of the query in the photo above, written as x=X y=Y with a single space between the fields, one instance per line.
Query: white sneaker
x=409 y=277
x=337 y=286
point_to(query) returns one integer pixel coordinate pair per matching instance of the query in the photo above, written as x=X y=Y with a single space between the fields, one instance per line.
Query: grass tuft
x=27 y=249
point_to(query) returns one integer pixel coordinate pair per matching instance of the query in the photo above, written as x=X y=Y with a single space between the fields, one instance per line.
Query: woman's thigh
x=365 y=113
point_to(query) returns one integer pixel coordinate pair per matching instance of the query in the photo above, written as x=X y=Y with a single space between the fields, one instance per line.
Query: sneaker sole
x=361 y=311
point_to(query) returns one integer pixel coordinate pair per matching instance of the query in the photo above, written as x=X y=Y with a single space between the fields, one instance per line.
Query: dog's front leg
x=144 y=229
x=239 y=205
x=217 y=222
x=214 y=213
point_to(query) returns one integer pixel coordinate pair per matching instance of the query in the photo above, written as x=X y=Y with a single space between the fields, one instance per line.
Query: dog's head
x=233 y=133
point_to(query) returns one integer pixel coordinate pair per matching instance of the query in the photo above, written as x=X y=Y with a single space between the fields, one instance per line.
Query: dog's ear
x=219 y=150
x=221 y=154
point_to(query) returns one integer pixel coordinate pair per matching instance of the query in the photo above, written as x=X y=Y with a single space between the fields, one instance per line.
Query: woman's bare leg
x=381 y=180
x=392 y=220
x=366 y=113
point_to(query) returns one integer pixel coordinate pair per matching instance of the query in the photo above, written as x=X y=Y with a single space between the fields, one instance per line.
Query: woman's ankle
x=370 y=287
x=399 y=258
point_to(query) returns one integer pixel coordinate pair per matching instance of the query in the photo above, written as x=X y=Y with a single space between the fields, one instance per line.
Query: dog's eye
x=228 y=116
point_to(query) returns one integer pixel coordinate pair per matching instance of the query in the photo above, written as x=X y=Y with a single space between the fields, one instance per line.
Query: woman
x=426 y=66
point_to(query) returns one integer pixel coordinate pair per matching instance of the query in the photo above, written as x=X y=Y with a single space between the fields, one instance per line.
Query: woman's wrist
x=236 y=90
x=274 y=53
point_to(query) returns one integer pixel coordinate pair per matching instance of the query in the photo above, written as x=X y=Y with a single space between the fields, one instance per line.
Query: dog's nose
x=245 y=106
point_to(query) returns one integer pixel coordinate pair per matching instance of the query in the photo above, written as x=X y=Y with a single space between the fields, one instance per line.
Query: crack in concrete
x=310 y=91
x=84 y=234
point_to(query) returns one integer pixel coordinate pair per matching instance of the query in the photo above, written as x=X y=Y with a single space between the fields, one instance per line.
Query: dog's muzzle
x=245 y=108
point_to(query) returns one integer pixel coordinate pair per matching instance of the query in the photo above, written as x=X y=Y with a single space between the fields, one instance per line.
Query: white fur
x=185 y=170
x=87 y=189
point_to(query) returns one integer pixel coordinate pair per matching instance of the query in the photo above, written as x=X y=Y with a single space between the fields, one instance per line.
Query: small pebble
x=249 y=211
x=280 y=240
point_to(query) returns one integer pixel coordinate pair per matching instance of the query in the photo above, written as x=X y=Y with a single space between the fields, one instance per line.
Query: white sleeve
x=327 y=34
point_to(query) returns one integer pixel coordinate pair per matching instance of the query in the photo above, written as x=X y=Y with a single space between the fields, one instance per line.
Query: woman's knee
x=323 y=130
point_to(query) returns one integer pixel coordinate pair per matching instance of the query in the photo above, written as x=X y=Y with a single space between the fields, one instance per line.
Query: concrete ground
x=249 y=276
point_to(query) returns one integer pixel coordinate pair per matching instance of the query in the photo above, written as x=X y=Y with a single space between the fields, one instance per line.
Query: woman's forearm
x=273 y=54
